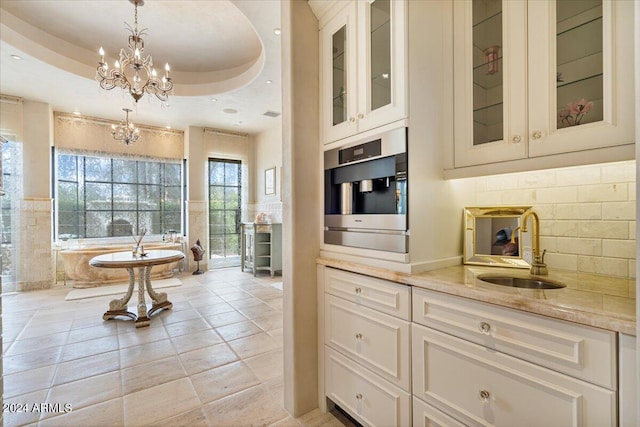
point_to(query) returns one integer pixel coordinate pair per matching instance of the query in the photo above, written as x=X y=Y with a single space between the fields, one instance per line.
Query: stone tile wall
x=587 y=213
x=35 y=245
x=273 y=209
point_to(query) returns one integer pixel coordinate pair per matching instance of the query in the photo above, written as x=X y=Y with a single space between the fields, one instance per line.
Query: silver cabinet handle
x=359 y=396
x=352 y=119
x=484 y=395
x=536 y=135
x=358 y=336
x=517 y=139
x=361 y=116
x=485 y=327
x=358 y=291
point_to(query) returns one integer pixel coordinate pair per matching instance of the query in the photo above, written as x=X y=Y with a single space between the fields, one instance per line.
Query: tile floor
x=215 y=359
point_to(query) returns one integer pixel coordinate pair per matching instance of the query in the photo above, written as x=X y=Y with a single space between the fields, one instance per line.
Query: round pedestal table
x=118 y=307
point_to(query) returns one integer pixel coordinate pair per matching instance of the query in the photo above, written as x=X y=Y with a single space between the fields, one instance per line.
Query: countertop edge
x=571 y=314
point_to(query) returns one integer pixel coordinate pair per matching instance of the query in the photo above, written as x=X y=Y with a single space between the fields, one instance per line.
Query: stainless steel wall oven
x=365 y=193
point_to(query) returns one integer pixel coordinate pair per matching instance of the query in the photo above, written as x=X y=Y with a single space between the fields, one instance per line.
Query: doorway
x=225 y=194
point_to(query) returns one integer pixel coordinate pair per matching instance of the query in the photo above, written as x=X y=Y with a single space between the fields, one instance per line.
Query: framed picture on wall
x=270 y=181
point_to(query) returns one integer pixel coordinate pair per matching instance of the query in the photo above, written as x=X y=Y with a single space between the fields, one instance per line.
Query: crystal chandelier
x=131 y=62
x=125 y=132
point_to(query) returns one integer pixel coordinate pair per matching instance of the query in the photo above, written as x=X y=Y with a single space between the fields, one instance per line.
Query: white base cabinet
x=366 y=346
x=628 y=372
x=395 y=355
x=375 y=340
x=579 y=351
x=425 y=415
x=482 y=387
x=366 y=397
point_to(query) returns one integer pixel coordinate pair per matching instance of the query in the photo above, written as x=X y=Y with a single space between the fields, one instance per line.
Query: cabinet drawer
x=378 y=341
x=577 y=350
x=480 y=386
x=365 y=396
x=425 y=415
x=387 y=297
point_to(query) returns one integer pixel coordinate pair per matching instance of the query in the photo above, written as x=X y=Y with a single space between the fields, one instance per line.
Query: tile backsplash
x=587 y=213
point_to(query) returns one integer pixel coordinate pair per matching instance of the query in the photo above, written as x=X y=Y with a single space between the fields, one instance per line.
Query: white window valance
x=94 y=135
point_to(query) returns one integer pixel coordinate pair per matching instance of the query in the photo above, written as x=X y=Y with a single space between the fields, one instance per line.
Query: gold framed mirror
x=492 y=236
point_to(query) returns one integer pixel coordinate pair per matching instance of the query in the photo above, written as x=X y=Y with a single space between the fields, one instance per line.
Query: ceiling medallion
x=132 y=63
x=125 y=132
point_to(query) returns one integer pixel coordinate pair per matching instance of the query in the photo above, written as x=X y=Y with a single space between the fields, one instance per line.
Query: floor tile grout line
x=249 y=317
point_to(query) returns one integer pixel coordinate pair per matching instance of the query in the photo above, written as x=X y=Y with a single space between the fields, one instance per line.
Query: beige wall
x=11 y=118
x=266 y=152
x=435 y=205
x=301 y=213
x=267 y=147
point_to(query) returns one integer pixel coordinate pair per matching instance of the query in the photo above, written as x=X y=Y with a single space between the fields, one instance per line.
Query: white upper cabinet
x=363 y=67
x=539 y=78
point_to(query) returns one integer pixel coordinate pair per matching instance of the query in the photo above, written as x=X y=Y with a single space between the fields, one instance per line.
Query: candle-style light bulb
x=137 y=53
x=117 y=64
x=153 y=72
x=101 y=52
x=167 y=69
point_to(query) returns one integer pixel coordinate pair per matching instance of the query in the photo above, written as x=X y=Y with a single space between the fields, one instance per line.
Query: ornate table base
x=118 y=307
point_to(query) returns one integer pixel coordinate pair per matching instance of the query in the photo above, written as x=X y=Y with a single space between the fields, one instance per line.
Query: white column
x=197 y=194
x=36 y=208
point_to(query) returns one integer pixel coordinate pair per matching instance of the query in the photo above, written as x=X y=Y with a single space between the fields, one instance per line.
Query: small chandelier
x=131 y=61
x=125 y=132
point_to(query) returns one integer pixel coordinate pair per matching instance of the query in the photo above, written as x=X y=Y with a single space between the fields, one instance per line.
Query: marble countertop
x=600 y=301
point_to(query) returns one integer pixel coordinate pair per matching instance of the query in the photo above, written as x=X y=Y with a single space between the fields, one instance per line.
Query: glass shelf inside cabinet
x=487 y=71
x=380 y=45
x=488 y=75
x=487 y=124
x=579 y=58
x=339 y=78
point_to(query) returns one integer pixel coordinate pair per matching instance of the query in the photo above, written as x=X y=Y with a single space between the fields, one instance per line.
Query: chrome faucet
x=538 y=267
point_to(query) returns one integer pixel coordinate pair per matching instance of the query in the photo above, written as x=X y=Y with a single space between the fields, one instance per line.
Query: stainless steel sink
x=520 y=282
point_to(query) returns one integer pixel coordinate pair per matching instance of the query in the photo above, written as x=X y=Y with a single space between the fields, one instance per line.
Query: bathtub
x=77 y=268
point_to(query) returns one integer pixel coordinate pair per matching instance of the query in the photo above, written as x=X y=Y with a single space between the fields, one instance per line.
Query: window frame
x=84 y=227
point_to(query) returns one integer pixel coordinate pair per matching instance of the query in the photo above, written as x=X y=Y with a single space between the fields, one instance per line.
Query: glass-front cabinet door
x=580 y=75
x=364 y=70
x=490 y=81
x=537 y=78
x=382 y=63
x=339 y=89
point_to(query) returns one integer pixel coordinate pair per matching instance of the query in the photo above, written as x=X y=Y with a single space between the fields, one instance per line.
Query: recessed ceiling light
x=76 y=112
x=168 y=126
x=17 y=57
x=230 y=111
x=214 y=100
x=269 y=82
x=277 y=31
